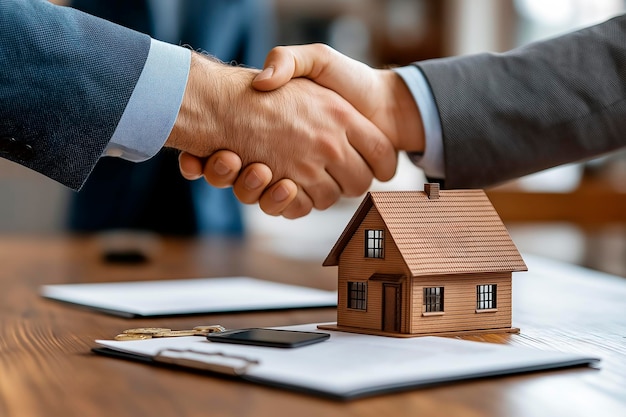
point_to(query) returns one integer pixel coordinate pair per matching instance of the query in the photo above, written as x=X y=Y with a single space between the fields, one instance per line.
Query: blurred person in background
x=120 y=194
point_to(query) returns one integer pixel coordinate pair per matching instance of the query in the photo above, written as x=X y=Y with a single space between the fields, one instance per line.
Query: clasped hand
x=312 y=126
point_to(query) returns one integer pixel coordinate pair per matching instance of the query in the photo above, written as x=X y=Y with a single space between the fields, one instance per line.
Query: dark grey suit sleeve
x=545 y=104
x=65 y=79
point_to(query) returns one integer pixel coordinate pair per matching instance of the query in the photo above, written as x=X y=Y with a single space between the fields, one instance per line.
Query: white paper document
x=350 y=365
x=189 y=296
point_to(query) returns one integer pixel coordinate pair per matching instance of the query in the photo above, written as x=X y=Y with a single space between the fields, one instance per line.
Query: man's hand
x=223 y=169
x=302 y=131
x=380 y=95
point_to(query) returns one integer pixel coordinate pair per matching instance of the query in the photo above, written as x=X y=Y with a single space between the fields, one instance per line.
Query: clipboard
x=348 y=365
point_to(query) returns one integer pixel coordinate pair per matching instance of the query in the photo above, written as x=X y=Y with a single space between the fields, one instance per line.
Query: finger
x=222 y=168
x=299 y=207
x=368 y=154
x=278 y=197
x=190 y=166
x=278 y=69
x=251 y=183
x=345 y=172
x=353 y=175
x=286 y=62
x=328 y=189
x=374 y=147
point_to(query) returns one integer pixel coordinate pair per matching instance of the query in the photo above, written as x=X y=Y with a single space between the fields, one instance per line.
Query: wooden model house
x=425 y=262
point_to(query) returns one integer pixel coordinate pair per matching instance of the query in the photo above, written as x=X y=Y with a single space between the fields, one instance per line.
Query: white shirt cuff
x=154 y=104
x=432 y=160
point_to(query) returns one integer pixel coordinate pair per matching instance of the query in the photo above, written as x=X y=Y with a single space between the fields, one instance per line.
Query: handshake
x=312 y=126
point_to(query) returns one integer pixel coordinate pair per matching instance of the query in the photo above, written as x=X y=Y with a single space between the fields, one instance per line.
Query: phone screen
x=268 y=337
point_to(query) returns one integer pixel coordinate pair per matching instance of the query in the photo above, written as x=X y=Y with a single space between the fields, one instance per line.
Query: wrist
x=209 y=107
x=409 y=132
x=186 y=125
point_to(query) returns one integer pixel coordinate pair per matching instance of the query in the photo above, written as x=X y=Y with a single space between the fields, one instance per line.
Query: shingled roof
x=458 y=232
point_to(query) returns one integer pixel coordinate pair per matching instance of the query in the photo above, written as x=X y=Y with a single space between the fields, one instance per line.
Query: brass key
x=144 y=333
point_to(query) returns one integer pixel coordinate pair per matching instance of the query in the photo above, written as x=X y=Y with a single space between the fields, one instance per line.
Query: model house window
x=357 y=295
x=374 y=244
x=486 y=296
x=433 y=299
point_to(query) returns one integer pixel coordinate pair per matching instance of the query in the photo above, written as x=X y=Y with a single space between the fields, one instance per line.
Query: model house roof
x=452 y=232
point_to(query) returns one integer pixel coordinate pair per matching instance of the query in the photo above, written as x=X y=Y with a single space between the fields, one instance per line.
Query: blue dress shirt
x=157 y=97
x=431 y=161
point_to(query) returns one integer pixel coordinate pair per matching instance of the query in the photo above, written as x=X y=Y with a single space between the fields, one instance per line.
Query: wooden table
x=47 y=369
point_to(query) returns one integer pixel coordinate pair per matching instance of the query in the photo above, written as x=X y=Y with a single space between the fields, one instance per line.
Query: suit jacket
x=65 y=79
x=535 y=107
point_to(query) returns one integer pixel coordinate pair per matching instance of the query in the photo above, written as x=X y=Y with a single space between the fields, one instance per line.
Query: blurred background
x=575 y=213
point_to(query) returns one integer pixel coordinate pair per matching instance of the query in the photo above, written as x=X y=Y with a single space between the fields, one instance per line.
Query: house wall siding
x=460 y=303
x=354 y=266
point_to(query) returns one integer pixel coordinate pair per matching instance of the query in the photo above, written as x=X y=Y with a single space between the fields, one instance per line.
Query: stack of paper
x=189 y=296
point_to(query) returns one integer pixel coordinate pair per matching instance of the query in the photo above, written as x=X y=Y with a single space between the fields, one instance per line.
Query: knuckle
x=322 y=49
x=243 y=195
x=301 y=212
x=270 y=211
x=361 y=184
x=326 y=200
x=383 y=160
x=324 y=194
x=334 y=155
x=277 y=51
x=300 y=207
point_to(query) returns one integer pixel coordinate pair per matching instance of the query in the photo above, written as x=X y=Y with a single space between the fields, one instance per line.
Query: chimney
x=432 y=190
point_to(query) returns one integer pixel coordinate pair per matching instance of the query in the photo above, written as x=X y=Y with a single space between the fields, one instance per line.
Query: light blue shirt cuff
x=432 y=161
x=154 y=104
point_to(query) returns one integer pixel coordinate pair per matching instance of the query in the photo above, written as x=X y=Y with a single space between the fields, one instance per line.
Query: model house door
x=392 y=303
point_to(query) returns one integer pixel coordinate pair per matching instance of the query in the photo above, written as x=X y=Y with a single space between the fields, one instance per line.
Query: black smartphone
x=268 y=337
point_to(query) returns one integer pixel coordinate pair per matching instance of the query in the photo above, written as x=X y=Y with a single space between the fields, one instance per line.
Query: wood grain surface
x=47 y=368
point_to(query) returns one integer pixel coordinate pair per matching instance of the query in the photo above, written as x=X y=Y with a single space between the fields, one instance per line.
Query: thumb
x=280 y=67
x=353 y=80
x=313 y=61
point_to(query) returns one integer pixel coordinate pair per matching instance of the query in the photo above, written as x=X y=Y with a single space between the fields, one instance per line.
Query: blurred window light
x=350 y=36
x=552 y=17
x=552 y=13
x=406 y=21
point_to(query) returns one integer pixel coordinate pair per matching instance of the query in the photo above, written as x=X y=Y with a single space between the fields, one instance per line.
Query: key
x=147 y=330
x=143 y=333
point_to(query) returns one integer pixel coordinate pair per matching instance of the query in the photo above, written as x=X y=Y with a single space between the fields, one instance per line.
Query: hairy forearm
x=211 y=91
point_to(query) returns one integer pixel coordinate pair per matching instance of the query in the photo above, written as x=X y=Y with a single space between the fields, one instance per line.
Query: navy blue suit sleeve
x=65 y=79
